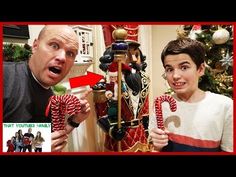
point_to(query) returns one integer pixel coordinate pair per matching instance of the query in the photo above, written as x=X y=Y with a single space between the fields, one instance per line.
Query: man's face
x=53 y=55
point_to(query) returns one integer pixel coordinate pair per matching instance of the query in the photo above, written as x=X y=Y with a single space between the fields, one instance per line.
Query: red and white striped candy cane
x=60 y=105
x=158 y=109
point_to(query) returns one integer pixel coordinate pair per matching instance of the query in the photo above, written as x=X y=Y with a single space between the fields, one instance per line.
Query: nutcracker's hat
x=132 y=34
x=113 y=68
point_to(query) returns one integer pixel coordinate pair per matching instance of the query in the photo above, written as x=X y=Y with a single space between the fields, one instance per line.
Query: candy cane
x=60 y=105
x=158 y=109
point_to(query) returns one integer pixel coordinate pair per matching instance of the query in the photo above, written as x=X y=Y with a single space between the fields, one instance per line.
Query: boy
x=203 y=120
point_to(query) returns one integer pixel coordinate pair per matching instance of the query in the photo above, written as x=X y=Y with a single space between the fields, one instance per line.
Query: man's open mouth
x=55 y=70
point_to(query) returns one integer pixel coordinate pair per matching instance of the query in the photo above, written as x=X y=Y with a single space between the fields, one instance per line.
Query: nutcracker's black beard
x=135 y=66
x=133 y=80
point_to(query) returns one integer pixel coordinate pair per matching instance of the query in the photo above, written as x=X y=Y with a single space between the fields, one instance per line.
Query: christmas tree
x=218 y=40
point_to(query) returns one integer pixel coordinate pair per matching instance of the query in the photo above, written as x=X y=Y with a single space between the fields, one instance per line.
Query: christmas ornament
x=224 y=78
x=158 y=108
x=227 y=60
x=195 y=31
x=182 y=32
x=209 y=45
x=221 y=36
x=223 y=51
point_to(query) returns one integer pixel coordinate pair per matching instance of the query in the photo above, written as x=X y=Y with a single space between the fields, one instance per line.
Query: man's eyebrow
x=55 y=39
x=60 y=42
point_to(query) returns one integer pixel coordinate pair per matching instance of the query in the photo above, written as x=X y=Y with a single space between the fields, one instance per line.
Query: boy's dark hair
x=193 y=48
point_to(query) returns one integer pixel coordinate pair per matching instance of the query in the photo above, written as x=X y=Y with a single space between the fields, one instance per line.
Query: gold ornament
x=209 y=45
x=223 y=52
x=181 y=33
x=119 y=34
x=224 y=78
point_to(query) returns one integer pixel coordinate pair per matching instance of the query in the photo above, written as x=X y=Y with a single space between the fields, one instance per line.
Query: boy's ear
x=201 y=69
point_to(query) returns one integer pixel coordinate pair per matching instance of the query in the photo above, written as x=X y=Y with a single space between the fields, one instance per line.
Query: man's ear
x=201 y=69
x=35 y=45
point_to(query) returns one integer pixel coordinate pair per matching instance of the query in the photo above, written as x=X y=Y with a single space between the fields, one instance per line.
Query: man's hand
x=84 y=112
x=85 y=108
x=59 y=140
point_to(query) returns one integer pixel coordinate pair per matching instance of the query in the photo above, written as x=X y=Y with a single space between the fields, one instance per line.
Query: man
x=27 y=140
x=27 y=84
x=134 y=102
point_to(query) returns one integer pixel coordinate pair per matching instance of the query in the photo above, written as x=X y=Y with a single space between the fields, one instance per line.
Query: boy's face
x=182 y=74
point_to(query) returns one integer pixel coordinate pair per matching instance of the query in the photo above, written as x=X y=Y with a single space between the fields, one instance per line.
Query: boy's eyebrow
x=167 y=66
x=182 y=63
x=185 y=62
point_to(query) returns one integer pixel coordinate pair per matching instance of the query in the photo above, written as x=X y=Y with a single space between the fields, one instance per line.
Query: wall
x=161 y=35
x=33 y=32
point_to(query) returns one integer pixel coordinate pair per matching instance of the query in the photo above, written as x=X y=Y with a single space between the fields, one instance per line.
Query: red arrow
x=90 y=79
